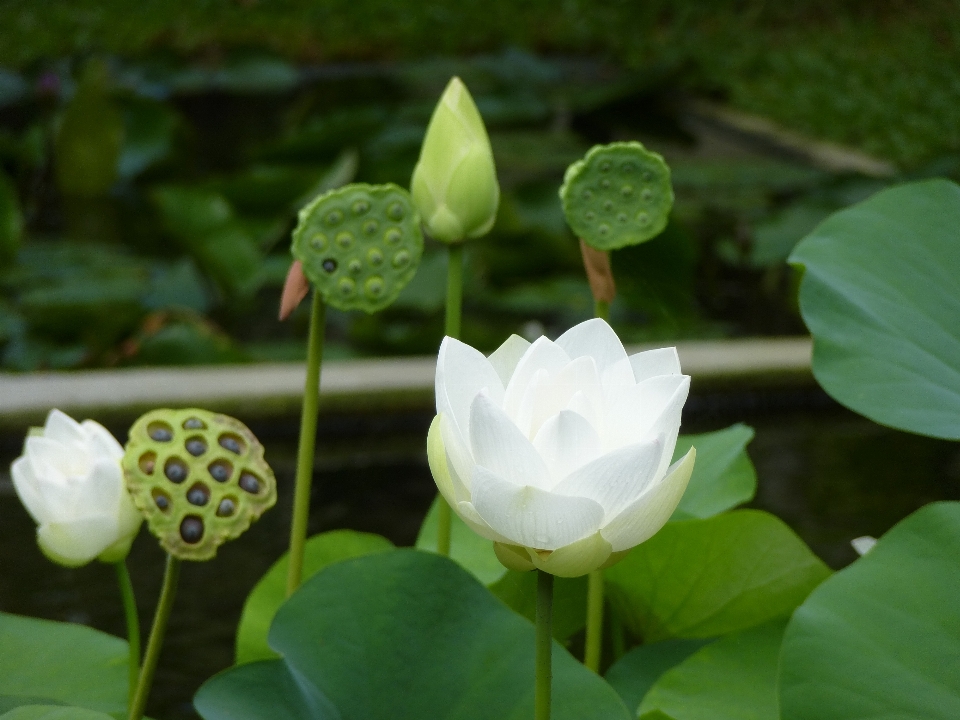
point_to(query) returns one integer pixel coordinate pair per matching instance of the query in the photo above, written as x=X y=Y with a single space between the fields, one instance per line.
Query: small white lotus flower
x=70 y=480
x=560 y=451
x=863 y=544
x=454 y=185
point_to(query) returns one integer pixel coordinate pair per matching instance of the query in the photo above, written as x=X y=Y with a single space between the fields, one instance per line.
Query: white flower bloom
x=863 y=544
x=70 y=481
x=559 y=451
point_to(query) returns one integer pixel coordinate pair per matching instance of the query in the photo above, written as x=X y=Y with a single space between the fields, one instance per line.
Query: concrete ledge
x=384 y=383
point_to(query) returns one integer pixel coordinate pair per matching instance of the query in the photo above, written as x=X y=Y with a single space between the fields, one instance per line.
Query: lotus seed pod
x=198 y=477
x=359 y=245
x=617 y=195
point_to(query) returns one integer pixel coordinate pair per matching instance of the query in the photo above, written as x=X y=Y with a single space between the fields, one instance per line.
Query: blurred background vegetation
x=153 y=157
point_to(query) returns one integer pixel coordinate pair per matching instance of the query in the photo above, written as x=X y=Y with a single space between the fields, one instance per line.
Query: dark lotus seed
x=608 y=205
x=161 y=500
x=198 y=494
x=590 y=215
x=175 y=470
x=360 y=207
x=220 y=470
x=622 y=217
x=160 y=432
x=396 y=211
x=605 y=184
x=334 y=217
x=147 y=462
x=330 y=265
x=587 y=194
x=231 y=443
x=603 y=229
x=392 y=236
x=605 y=166
x=226 y=508
x=191 y=529
x=355 y=266
x=627 y=167
x=250 y=483
x=193 y=424
x=344 y=240
x=196 y=446
x=370 y=227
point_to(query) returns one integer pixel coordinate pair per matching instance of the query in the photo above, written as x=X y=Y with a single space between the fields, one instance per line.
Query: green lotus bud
x=359 y=245
x=454 y=184
x=198 y=477
x=617 y=195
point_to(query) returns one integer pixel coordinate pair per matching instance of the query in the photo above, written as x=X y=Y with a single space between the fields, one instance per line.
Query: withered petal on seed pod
x=295 y=289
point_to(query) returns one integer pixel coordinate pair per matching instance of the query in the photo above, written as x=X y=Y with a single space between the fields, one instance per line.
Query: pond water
x=830 y=474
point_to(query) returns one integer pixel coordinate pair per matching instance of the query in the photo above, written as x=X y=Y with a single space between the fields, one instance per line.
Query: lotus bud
x=70 y=481
x=199 y=477
x=454 y=184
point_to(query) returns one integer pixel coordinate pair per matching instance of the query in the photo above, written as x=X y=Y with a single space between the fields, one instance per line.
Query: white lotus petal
x=459 y=459
x=462 y=372
x=648 y=513
x=582 y=405
x=468 y=513
x=541 y=355
x=77 y=542
x=61 y=427
x=56 y=458
x=100 y=491
x=566 y=442
x=437 y=461
x=618 y=376
x=536 y=388
x=593 y=338
x=26 y=485
x=548 y=395
x=101 y=441
x=633 y=413
x=662 y=361
x=575 y=559
x=513 y=557
x=505 y=358
x=616 y=479
x=530 y=516
x=863 y=544
x=499 y=446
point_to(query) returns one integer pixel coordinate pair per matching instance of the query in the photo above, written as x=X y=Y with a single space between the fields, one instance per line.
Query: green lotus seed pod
x=198 y=477
x=617 y=195
x=359 y=245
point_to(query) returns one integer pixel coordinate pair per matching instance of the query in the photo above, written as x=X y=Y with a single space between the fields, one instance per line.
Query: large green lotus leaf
x=723 y=476
x=704 y=578
x=270 y=592
x=53 y=712
x=474 y=553
x=634 y=674
x=734 y=678
x=881 y=296
x=517 y=589
x=397 y=636
x=881 y=639
x=48 y=662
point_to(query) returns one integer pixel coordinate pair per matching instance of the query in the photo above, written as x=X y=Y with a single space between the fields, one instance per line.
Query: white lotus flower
x=70 y=480
x=559 y=451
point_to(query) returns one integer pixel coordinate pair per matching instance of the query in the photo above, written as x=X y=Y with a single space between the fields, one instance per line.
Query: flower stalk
x=164 y=607
x=594 y=638
x=544 y=646
x=307 y=444
x=133 y=624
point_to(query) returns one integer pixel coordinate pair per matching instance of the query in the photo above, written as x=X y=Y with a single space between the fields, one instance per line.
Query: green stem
x=451 y=329
x=164 y=607
x=594 y=640
x=133 y=623
x=601 y=309
x=307 y=444
x=544 y=641
x=454 y=289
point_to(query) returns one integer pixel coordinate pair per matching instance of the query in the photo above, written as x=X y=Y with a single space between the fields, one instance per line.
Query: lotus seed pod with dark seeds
x=198 y=477
x=617 y=195
x=359 y=245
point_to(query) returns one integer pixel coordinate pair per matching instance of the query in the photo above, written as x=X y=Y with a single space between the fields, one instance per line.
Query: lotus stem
x=160 y=619
x=594 y=639
x=544 y=644
x=601 y=309
x=451 y=329
x=307 y=444
x=133 y=624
